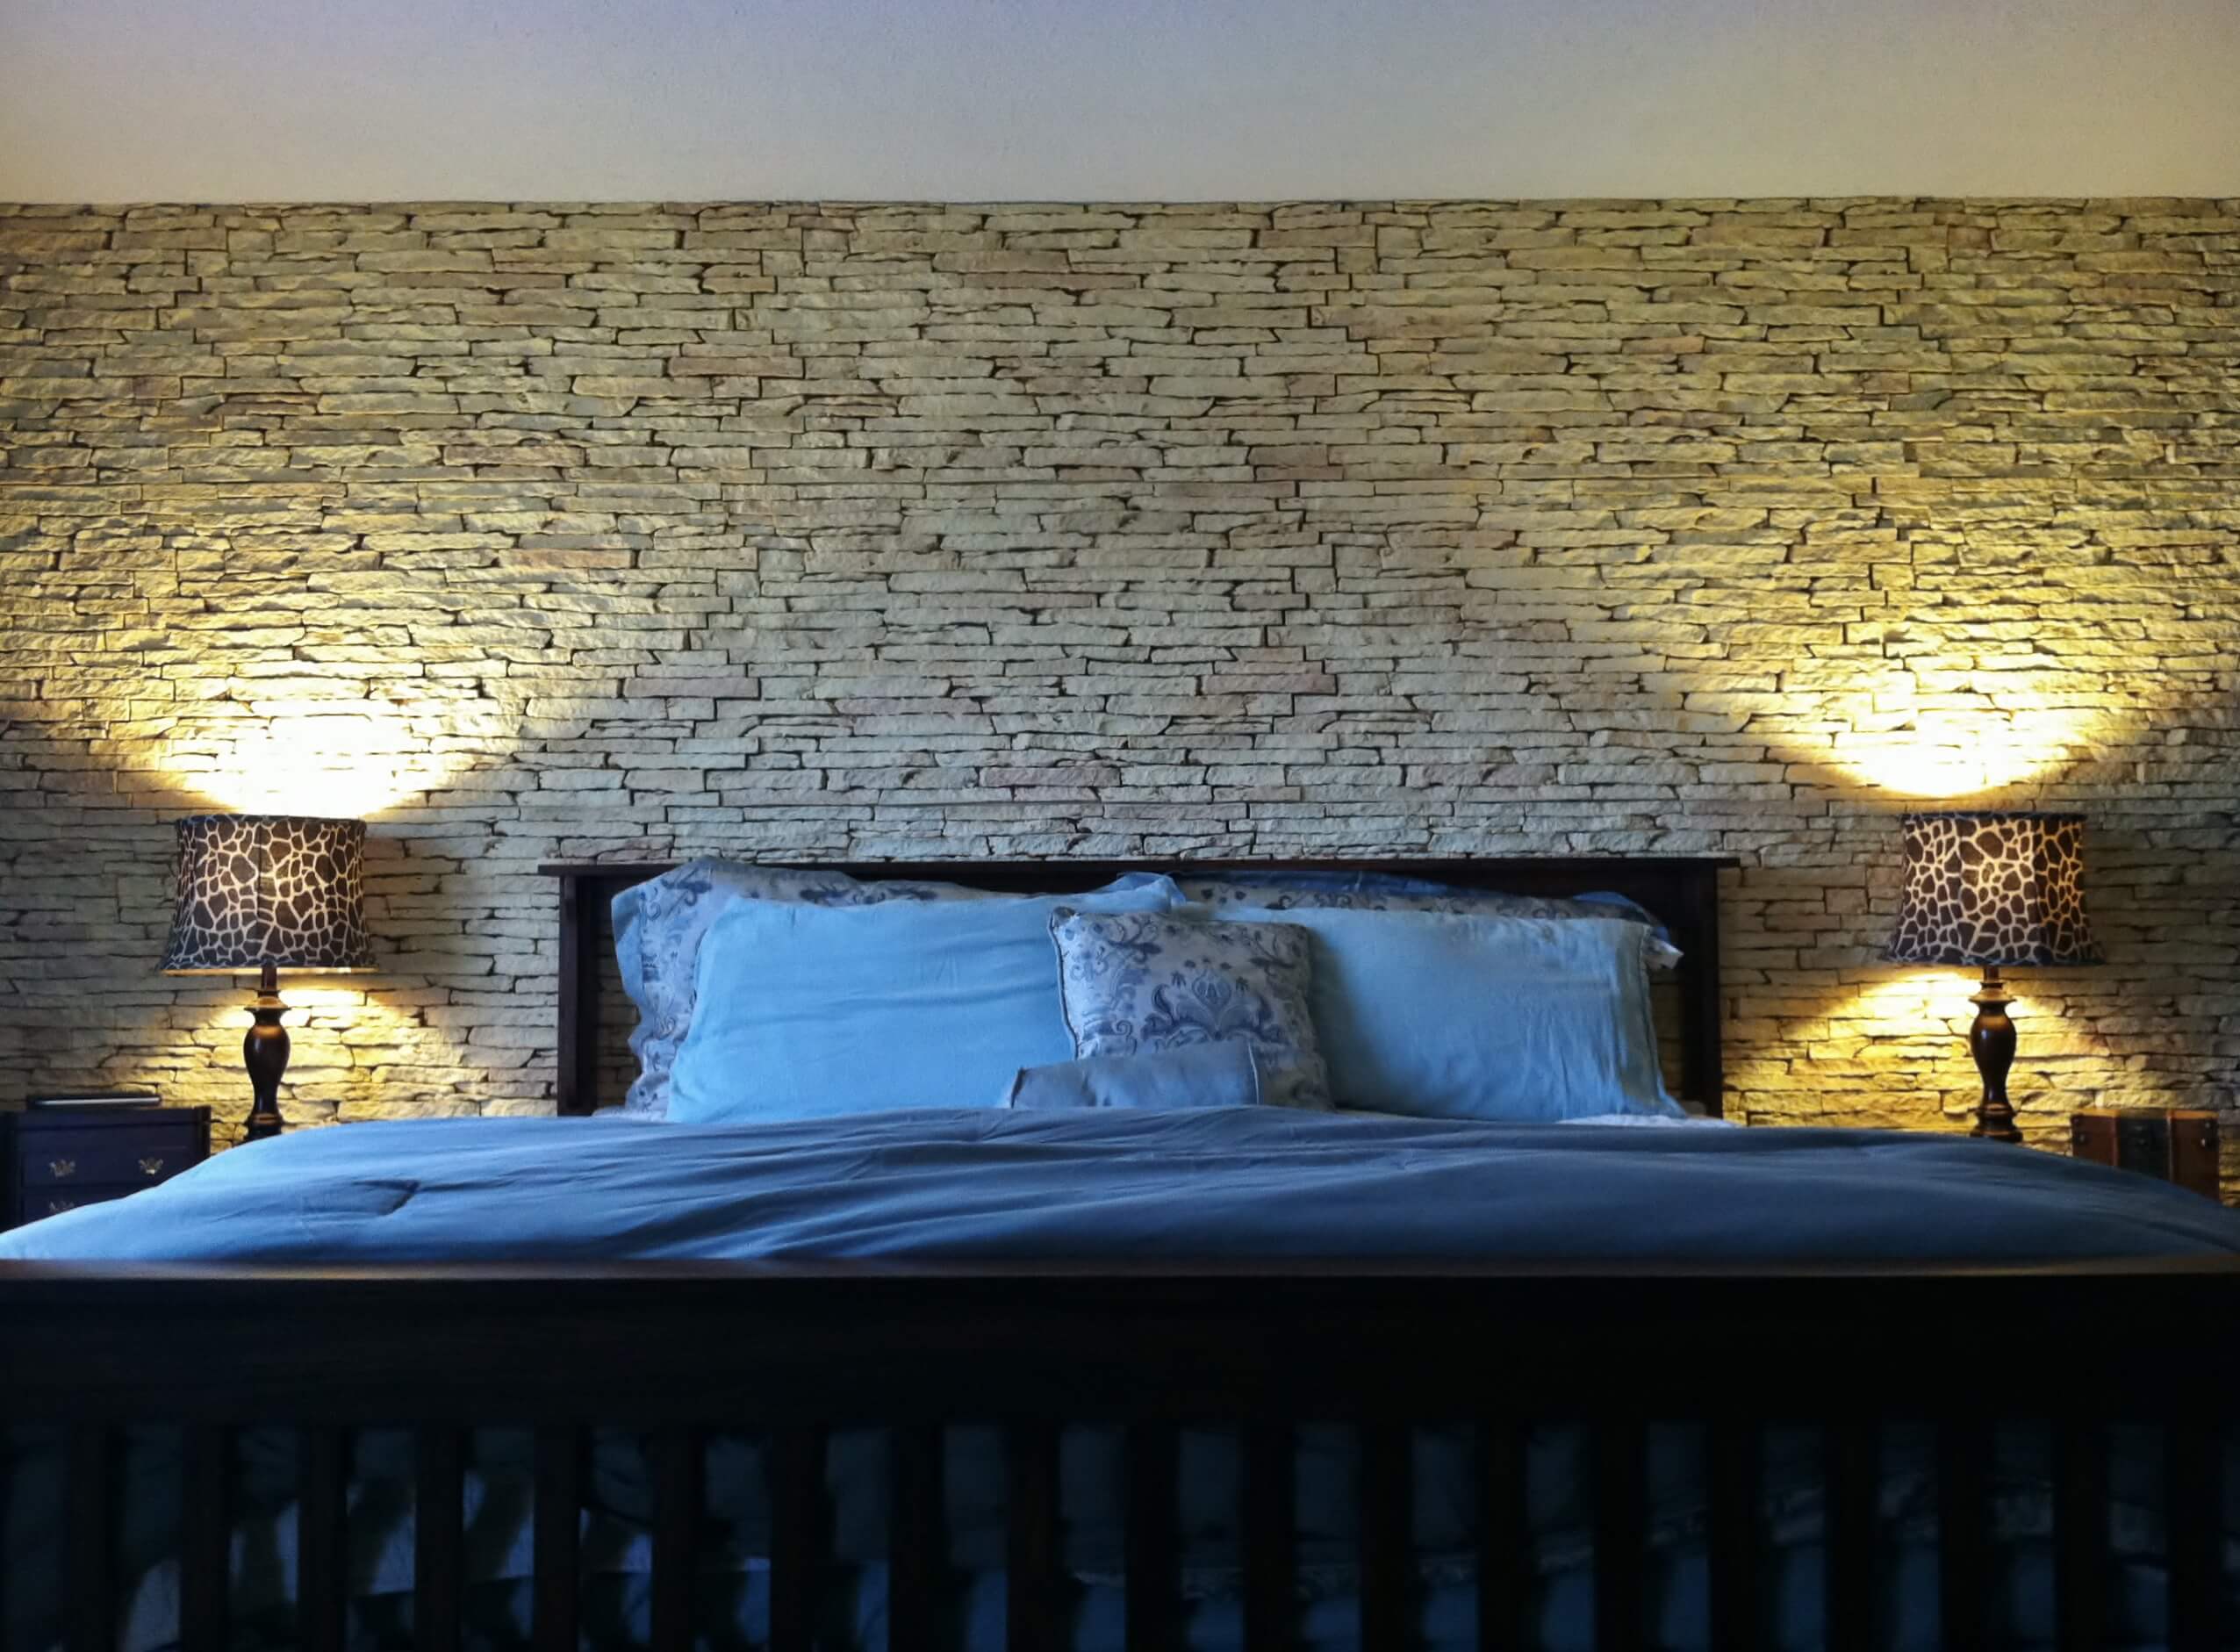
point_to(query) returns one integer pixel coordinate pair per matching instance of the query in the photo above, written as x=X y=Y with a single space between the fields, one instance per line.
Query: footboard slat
x=556 y=1538
x=1852 y=1454
x=1962 y=1508
x=1505 y=1558
x=2080 y=1536
x=1735 y=1470
x=92 y=1525
x=1620 y=1530
x=1153 y=1592
x=677 y=1495
x=1031 y=1555
x=917 y=1537
x=322 y=1580
x=1386 y=1534
x=796 y=1547
x=2194 y=1496
x=205 y=1538
x=438 y=1538
x=1271 y=1540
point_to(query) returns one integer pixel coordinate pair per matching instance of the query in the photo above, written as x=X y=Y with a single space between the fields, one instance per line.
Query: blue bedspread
x=1245 y=1183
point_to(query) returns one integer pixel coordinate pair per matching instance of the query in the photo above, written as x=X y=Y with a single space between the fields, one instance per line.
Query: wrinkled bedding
x=1238 y=1183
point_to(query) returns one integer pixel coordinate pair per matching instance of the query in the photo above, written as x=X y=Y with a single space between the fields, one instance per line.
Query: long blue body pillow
x=1441 y=1016
x=815 y=1012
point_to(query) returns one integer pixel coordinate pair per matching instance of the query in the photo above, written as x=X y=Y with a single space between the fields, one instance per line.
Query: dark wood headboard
x=1682 y=890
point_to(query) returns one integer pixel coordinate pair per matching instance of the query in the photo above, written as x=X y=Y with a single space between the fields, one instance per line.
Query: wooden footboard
x=794 y=1351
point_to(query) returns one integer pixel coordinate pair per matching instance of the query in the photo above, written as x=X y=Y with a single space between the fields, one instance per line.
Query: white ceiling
x=232 y=100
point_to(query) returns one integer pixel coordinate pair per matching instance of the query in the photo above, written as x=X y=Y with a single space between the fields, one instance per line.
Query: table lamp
x=1994 y=890
x=268 y=893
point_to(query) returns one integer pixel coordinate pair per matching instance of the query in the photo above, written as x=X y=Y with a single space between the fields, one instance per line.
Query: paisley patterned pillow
x=1133 y=981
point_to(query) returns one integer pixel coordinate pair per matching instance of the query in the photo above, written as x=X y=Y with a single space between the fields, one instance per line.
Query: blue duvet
x=1246 y=1182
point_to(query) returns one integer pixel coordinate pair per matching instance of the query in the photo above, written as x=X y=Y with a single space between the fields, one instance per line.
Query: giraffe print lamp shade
x=1993 y=889
x=283 y=890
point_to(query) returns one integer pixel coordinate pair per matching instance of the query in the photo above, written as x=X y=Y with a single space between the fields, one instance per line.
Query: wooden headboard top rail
x=1682 y=891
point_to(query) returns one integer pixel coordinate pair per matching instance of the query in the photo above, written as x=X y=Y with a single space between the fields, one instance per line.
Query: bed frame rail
x=792 y=1353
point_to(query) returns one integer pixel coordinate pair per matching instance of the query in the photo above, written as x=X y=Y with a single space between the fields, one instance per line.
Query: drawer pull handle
x=61 y=1169
x=56 y=1206
x=151 y=1166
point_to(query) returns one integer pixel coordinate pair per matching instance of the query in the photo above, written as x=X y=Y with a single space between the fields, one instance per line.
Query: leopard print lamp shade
x=1993 y=889
x=280 y=889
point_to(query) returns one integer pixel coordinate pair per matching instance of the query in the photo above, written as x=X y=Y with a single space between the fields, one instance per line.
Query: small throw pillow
x=1189 y=1075
x=1137 y=981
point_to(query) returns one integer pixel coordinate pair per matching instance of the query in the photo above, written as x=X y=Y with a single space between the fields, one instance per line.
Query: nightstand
x=2175 y=1143
x=56 y=1158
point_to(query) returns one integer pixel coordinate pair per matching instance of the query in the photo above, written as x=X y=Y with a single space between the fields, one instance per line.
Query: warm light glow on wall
x=348 y=758
x=1953 y=743
x=1929 y=1003
x=1959 y=754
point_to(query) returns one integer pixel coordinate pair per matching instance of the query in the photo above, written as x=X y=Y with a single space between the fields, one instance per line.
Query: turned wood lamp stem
x=1990 y=1040
x=264 y=1052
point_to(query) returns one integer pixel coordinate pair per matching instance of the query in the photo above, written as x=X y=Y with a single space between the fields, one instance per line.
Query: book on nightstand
x=95 y=1098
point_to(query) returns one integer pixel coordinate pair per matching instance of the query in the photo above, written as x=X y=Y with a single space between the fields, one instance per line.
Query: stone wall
x=806 y=531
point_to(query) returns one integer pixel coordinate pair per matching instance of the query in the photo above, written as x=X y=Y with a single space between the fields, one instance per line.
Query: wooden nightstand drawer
x=130 y=1158
x=38 y=1204
x=58 y=1159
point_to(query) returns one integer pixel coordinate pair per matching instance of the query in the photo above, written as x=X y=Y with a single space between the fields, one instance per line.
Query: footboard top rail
x=742 y=1343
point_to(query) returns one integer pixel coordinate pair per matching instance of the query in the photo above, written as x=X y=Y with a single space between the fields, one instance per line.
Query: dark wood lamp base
x=264 y=1052
x=1990 y=1040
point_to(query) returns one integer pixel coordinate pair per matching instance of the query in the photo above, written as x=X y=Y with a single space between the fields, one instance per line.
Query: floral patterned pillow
x=1135 y=981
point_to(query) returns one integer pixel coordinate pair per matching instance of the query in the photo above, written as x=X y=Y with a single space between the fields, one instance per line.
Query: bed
x=1403 y=1383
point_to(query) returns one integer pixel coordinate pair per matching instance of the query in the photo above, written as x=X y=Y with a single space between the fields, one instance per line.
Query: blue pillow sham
x=810 y=1012
x=1218 y=1073
x=1442 y=1015
x=660 y=923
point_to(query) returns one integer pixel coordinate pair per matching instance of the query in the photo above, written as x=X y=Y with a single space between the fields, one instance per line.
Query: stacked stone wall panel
x=800 y=531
